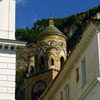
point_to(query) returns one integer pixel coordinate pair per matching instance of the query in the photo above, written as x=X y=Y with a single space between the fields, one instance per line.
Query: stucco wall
x=91 y=89
x=99 y=51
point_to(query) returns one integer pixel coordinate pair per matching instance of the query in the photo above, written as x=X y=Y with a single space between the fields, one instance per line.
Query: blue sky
x=28 y=11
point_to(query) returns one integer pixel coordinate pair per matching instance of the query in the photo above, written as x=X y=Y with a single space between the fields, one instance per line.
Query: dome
x=51 y=30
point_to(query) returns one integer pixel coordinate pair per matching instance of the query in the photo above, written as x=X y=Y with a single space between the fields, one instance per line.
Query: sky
x=29 y=11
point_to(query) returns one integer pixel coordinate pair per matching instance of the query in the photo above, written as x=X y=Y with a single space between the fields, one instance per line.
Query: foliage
x=64 y=24
x=20 y=85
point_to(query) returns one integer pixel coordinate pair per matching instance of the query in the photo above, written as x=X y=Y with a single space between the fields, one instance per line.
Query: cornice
x=14 y=45
x=71 y=62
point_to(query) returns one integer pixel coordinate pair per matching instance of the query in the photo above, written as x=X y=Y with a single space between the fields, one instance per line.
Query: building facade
x=79 y=78
x=8 y=47
x=46 y=59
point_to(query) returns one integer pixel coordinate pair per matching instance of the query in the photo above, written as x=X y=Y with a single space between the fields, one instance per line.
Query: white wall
x=7 y=19
x=99 y=50
x=7 y=74
x=91 y=90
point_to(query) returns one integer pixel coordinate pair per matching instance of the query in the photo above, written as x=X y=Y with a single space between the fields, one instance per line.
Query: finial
x=51 y=20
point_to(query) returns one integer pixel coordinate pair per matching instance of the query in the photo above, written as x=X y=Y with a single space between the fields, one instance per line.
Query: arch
x=61 y=61
x=41 y=49
x=36 y=94
x=51 y=60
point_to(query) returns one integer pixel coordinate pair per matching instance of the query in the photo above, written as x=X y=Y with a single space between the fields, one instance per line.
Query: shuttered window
x=83 y=65
x=67 y=92
x=61 y=95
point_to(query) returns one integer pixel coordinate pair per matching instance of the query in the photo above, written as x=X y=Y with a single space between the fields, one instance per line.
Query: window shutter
x=67 y=92
x=83 y=71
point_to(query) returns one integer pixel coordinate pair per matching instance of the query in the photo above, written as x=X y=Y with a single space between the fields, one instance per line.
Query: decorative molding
x=59 y=46
x=11 y=45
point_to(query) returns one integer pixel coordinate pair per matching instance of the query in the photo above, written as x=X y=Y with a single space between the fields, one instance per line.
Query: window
x=52 y=62
x=67 y=94
x=61 y=95
x=32 y=70
x=41 y=62
x=77 y=75
x=83 y=65
x=62 y=61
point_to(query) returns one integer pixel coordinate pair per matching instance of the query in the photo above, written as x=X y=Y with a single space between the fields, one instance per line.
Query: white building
x=8 y=47
x=79 y=78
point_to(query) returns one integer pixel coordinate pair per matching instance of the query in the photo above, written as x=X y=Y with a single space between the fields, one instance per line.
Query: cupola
x=52 y=48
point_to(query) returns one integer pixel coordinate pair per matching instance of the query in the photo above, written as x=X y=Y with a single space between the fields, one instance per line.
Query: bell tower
x=51 y=54
x=52 y=51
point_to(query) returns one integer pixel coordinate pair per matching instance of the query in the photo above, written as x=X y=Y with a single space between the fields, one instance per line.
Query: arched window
x=52 y=61
x=42 y=63
x=62 y=61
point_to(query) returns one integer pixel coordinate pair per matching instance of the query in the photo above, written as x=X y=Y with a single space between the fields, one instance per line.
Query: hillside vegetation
x=71 y=26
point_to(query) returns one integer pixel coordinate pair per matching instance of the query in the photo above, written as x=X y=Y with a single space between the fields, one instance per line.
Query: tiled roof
x=51 y=30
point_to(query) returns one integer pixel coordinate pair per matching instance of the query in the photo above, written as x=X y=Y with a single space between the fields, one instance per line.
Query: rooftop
x=51 y=30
